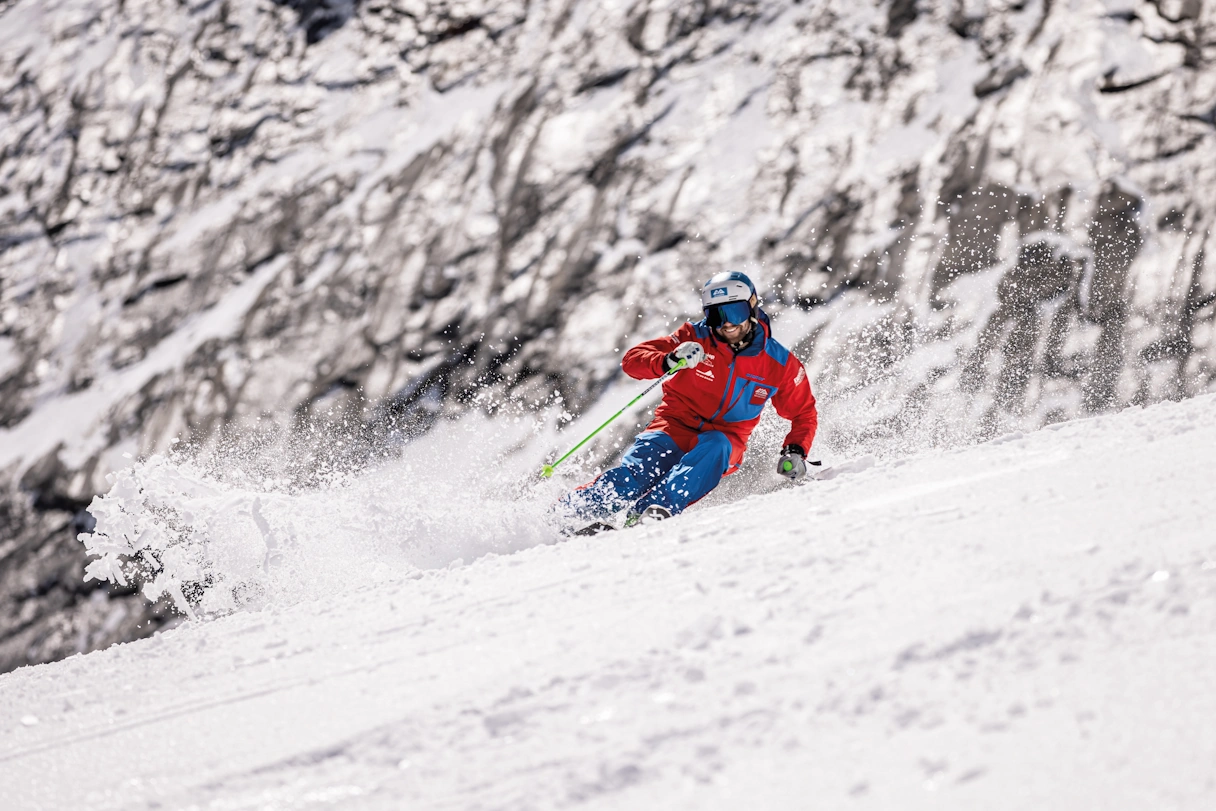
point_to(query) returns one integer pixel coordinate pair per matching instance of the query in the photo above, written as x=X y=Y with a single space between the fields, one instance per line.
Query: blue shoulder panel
x=701 y=328
x=776 y=351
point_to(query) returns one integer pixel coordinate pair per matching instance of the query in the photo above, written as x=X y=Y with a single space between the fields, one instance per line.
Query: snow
x=756 y=130
x=1021 y=624
x=242 y=525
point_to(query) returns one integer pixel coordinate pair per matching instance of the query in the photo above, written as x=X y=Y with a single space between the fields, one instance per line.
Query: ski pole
x=547 y=470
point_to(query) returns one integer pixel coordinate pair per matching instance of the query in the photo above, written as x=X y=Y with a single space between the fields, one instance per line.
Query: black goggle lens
x=736 y=312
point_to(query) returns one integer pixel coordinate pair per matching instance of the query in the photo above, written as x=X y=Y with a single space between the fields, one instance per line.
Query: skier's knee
x=715 y=445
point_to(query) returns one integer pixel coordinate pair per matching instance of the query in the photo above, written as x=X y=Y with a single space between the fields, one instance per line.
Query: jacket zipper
x=730 y=384
x=730 y=381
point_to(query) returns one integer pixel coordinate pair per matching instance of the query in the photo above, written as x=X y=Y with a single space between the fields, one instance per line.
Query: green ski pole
x=547 y=470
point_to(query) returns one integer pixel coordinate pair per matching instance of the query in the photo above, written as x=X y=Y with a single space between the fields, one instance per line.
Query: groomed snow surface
x=1025 y=624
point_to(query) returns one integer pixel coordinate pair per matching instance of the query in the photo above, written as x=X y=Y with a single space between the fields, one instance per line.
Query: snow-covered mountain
x=1026 y=623
x=356 y=218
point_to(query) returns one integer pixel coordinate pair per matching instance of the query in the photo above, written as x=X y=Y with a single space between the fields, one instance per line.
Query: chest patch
x=761 y=394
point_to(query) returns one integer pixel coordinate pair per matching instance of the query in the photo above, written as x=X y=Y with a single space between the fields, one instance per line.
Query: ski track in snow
x=1029 y=623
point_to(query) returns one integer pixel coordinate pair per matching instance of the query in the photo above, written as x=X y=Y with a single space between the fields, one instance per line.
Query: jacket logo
x=760 y=394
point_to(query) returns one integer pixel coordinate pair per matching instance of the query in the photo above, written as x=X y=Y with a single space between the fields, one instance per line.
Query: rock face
x=987 y=215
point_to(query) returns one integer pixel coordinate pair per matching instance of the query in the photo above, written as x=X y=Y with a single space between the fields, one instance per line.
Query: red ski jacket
x=726 y=392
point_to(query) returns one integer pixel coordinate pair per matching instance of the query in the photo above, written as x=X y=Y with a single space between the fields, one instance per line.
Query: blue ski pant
x=655 y=471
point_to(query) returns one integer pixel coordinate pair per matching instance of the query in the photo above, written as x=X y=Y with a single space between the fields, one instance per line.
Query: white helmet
x=728 y=298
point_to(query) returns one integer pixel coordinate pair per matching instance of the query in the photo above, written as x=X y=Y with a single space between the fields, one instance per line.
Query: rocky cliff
x=967 y=217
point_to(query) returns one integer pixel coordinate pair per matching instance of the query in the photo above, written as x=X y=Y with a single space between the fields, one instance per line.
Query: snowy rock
x=372 y=216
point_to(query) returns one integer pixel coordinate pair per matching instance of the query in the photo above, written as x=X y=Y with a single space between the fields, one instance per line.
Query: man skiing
x=733 y=366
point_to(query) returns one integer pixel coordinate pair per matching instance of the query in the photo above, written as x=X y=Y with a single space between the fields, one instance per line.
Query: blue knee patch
x=714 y=444
x=698 y=472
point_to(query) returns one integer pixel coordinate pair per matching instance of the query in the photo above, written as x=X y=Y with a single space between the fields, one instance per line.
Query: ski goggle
x=735 y=312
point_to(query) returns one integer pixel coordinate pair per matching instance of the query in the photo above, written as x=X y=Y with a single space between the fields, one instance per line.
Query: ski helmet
x=728 y=298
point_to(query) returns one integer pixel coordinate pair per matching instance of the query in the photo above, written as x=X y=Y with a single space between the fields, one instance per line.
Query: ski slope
x=1025 y=624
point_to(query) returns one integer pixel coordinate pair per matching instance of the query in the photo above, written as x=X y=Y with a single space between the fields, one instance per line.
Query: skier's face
x=733 y=333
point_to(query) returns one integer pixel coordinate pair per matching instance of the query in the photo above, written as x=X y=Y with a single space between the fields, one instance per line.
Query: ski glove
x=792 y=464
x=690 y=351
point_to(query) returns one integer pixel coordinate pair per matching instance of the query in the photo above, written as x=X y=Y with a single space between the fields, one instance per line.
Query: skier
x=700 y=430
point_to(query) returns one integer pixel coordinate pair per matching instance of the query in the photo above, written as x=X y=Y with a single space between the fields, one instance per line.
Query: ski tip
x=594 y=529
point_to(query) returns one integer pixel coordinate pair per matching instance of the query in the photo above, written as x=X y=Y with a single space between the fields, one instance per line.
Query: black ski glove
x=792 y=464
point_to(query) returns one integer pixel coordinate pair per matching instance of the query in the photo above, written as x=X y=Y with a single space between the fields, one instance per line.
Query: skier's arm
x=645 y=361
x=795 y=402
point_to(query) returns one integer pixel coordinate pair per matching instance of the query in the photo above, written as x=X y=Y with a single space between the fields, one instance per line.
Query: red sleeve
x=645 y=361
x=795 y=402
